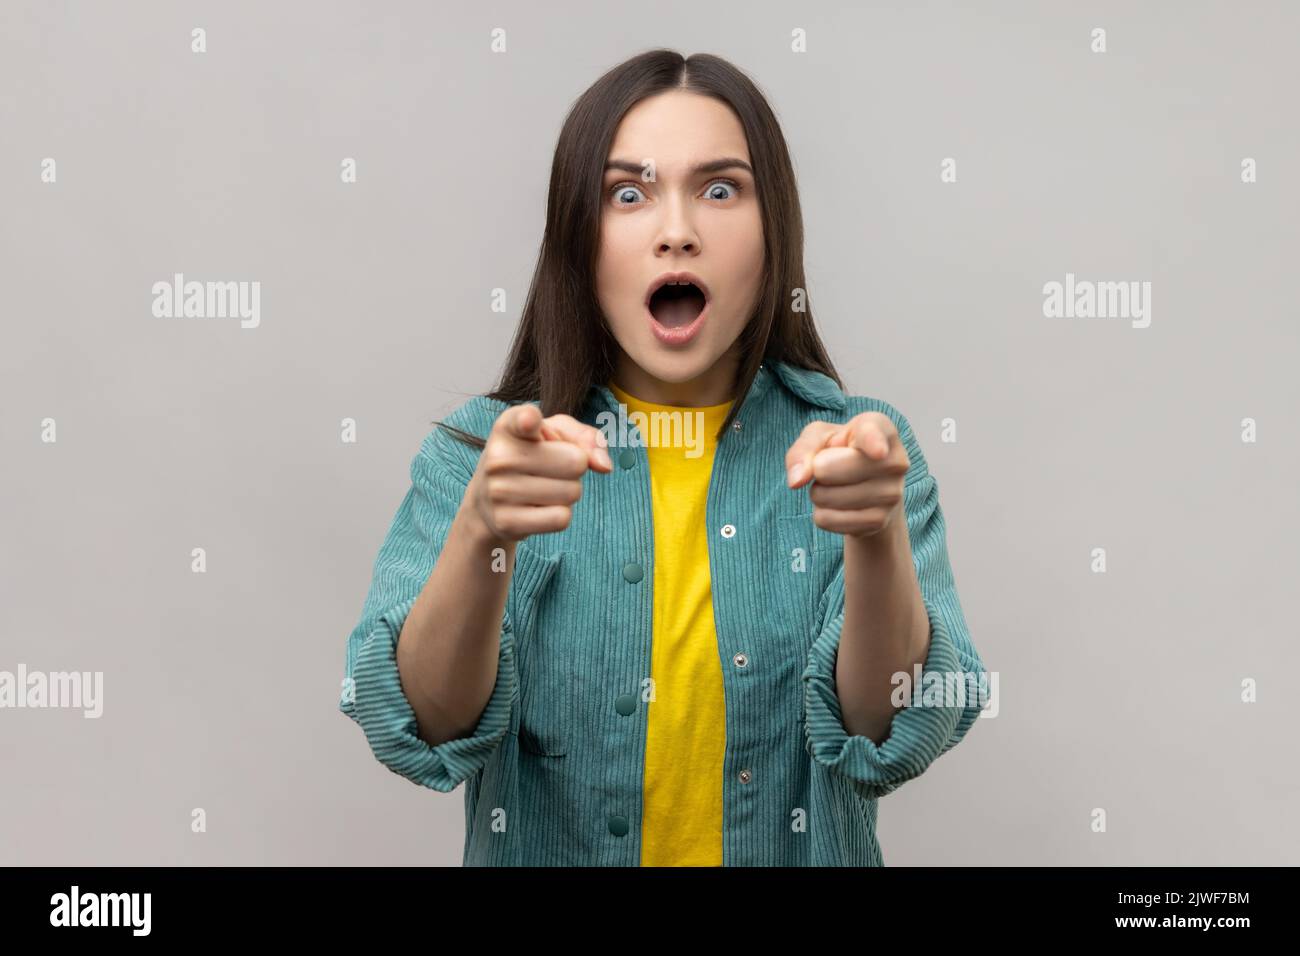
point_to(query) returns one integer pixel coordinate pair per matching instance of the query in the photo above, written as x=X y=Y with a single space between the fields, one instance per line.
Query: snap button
x=740 y=660
x=728 y=530
x=736 y=425
x=625 y=704
x=627 y=458
x=632 y=572
x=746 y=776
x=618 y=825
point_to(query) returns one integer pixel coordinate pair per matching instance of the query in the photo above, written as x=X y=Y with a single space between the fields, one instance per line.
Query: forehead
x=677 y=129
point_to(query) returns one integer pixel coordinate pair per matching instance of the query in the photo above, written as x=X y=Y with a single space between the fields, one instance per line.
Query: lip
x=678 y=336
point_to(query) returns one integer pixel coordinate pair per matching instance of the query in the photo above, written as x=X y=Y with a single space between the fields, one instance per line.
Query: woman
x=654 y=597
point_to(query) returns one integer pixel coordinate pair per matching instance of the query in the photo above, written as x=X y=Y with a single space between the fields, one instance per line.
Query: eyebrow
x=712 y=166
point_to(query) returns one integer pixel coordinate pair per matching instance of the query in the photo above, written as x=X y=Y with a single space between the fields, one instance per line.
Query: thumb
x=799 y=456
x=591 y=440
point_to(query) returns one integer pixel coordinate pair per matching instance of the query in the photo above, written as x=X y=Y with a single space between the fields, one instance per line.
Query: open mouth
x=677 y=305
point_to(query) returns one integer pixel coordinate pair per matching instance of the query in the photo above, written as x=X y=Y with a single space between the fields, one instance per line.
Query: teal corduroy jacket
x=553 y=770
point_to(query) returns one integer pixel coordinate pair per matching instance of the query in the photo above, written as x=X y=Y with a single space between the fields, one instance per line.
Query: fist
x=857 y=473
x=529 y=475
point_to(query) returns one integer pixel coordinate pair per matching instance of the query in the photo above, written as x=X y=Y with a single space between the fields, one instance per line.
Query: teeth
x=677 y=282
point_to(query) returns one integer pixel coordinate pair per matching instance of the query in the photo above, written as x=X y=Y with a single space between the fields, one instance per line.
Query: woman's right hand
x=529 y=474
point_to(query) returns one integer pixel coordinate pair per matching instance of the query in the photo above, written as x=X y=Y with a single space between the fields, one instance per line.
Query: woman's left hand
x=857 y=470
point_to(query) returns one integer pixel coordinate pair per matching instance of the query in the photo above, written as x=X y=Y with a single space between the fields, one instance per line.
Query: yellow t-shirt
x=686 y=736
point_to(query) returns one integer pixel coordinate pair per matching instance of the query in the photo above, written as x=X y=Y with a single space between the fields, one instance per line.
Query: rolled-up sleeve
x=920 y=732
x=372 y=691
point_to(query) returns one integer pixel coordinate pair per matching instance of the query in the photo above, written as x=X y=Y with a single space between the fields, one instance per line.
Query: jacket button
x=625 y=704
x=627 y=458
x=736 y=425
x=746 y=776
x=740 y=660
x=618 y=825
x=632 y=572
x=728 y=530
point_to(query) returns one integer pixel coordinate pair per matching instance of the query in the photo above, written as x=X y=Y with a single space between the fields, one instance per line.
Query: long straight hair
x=562 y=346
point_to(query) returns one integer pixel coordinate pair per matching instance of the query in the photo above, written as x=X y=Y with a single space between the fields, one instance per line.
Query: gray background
x=1118 y=691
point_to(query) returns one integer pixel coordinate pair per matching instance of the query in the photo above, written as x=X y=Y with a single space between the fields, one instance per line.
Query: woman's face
x=704 y=221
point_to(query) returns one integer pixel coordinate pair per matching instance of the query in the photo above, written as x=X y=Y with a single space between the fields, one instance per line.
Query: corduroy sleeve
x=372 y=691
x=952 y=671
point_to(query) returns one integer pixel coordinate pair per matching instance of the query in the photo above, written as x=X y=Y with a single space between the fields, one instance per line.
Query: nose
x=676 y=231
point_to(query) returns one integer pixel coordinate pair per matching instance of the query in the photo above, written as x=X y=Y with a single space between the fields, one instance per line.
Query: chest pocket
x=540 y=721
x=810 y=558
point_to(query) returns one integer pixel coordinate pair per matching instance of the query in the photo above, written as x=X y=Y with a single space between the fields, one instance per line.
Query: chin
x=675 y=368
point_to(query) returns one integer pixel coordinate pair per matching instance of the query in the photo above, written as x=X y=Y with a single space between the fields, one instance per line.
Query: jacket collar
x=813 y=387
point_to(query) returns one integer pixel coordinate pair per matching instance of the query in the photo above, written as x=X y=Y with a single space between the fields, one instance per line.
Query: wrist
x=887 y=541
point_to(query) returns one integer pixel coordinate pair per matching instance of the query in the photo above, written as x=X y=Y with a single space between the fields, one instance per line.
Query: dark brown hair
x=562 y=346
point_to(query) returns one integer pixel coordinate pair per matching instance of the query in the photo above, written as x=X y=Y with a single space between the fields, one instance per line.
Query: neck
x=715 y=386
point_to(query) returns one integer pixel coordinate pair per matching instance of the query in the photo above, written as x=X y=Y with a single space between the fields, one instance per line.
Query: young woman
x=663 y=596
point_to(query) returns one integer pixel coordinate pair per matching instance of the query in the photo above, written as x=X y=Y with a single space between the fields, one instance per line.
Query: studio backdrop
x=1061 y=239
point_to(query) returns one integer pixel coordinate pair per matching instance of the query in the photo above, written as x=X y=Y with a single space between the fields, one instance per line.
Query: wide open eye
x=622 y=190
x=734 y=187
